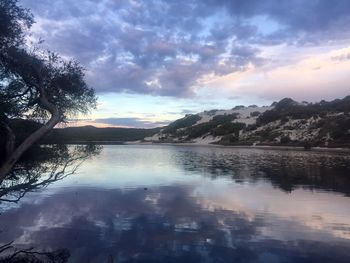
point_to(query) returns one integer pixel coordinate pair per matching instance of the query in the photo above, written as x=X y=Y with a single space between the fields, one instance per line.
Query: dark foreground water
x=191 y=204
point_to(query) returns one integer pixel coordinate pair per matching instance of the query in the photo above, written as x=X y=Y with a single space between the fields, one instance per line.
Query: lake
x=162 y=203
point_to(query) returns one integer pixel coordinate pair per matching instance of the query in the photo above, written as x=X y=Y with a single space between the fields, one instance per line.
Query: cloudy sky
x=153 y=61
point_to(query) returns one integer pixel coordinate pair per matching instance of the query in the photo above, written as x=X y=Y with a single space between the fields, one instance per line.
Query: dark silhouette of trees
x=185 y=122
x=42 y=166
x=34 y=84
x=29 y=255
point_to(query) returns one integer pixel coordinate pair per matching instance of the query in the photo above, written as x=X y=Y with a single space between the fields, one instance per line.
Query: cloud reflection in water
x=224 y=205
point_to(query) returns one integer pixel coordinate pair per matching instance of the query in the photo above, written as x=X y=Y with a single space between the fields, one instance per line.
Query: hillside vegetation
x=286 y=122
x=93 y=134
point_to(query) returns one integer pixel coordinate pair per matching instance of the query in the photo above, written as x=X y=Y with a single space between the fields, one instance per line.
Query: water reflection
x=45 y=166
x=287 y=170
x=199 y=204
x=165 y=224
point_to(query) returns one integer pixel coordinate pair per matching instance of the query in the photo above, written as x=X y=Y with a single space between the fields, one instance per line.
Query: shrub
x=200 y=129
x=229 y=139
x=220 y=119
x=255 y=114
x=285 y=140
x=307 y=145
x=187 y=121
x=228 y=128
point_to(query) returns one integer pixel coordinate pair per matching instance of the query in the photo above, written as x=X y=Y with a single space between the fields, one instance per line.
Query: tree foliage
x=14 y=22
x=185 y=122
x=34 y=84
x=287 y=108
x=33 y=75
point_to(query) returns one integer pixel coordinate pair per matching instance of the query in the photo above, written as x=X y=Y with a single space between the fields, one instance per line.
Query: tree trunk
x=31 y=139
x=10 y=140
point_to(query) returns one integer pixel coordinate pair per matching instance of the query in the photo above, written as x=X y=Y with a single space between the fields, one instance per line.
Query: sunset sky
x=153 y=61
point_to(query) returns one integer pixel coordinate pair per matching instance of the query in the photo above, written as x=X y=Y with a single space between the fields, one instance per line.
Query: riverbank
x=262 y=147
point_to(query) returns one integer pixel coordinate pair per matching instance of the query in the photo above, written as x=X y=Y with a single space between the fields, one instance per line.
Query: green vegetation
x=220 y=125
x=221 y=119
x=34 y=84
x=255 y=114
x=228 y=139
x=287 y=108
x=337 y=127
x=228 y=128
x=185 y=126
x=200 y=129
x=285 y=140
x=23 y=128
x=187 y=121
x=93 y=134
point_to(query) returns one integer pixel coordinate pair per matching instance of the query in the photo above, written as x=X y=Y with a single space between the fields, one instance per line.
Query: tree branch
x=34 y=137
x=10 y=139
x=19 y=95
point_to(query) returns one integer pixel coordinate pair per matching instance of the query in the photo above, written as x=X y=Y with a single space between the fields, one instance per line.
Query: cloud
x=341 y=57
x=328 y=18
x=166 y=48
x=97 y=222
x=311 y=78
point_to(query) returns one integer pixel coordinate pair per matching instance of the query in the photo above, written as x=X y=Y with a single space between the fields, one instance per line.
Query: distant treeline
x=68 y=135
x=93 y=134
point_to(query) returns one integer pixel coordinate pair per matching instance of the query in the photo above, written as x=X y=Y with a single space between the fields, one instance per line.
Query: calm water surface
x=191 y=204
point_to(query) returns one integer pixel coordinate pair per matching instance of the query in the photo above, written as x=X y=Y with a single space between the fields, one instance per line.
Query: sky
x=154 y=61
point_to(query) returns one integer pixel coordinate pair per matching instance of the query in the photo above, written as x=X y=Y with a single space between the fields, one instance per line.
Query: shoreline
x=261 y=147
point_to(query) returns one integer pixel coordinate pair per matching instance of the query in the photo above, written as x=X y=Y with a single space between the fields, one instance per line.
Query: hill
x=286 y=122
x=23 y=128
x=93 y=134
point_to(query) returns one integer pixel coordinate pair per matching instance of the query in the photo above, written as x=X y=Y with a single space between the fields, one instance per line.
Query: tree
x=34 y=84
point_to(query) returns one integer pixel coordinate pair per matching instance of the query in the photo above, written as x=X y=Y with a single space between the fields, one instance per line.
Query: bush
x=227 y=139
x=220 y=119
x=228 y=128
x=255 y=114
x=187 y=121
x=289 y=108
x=269 y=116
x=285 y=140
x=200 y=129
x=238 y=107
x=218 y=126
x=307 y=145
